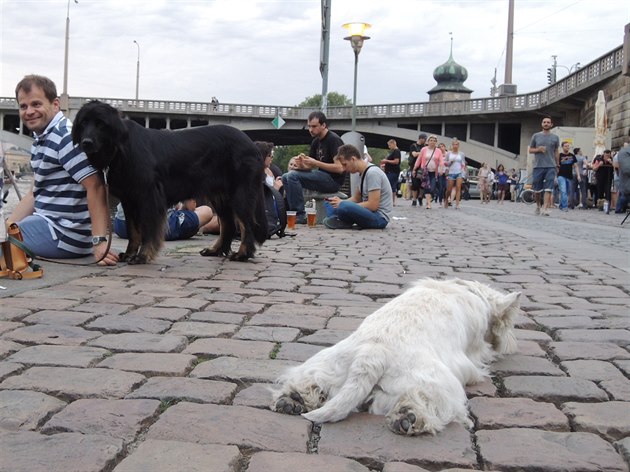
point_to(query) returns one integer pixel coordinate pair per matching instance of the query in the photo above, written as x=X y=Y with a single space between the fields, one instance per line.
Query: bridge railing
x=596 y=71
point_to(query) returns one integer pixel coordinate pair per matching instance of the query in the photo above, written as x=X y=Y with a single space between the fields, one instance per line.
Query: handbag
x=15 y=262
x=425 y=181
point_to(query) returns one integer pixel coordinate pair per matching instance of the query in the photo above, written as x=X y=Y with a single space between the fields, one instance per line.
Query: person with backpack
x=371 y=205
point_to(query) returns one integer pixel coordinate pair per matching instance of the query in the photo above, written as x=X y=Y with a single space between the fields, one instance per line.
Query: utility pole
x=509 y=49
x=324 y=52
x=552 y=73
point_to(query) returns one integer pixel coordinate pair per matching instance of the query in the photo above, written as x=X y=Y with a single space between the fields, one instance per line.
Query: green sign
x=278 y=122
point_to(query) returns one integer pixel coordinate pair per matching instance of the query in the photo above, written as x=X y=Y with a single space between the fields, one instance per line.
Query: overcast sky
x=268 y=52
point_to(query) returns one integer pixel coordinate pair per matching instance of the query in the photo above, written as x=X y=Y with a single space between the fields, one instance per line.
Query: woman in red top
x=431 y=160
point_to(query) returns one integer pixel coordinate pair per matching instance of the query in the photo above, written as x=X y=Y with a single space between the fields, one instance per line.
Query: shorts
x=503 y=187
x=454 y=176
x=415 y=184
x=182 y=224
x=393 y=181
x=543 y=179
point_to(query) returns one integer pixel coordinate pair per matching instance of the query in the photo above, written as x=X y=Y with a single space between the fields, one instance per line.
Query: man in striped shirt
x=66 y=214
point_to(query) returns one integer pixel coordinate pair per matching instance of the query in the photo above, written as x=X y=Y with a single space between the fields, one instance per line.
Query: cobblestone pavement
x=164 y=367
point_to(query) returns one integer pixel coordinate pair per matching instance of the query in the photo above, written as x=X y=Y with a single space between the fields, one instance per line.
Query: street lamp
x=137 y=71
x=356 y=38
x=64 y=95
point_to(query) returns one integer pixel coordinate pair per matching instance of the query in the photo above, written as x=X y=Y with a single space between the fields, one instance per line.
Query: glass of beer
x=291 y=215
x=311 y=217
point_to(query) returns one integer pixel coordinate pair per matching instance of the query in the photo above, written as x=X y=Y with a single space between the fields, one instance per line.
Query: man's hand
x=334 y=201
x=305 y=162
x=110 y=258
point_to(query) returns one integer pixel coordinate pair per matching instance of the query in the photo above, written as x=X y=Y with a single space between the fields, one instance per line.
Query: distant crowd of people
x=570 y=179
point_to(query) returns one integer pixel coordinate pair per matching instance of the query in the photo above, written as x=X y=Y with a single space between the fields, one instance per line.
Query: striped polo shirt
x=59 y=167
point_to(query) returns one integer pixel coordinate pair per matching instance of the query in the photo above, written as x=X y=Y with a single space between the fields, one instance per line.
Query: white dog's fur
x=409 y=360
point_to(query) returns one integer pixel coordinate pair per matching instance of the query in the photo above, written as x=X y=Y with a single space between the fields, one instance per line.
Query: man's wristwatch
x=96 y=240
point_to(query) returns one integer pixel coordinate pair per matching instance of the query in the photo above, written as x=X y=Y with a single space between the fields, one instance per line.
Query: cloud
x=267 y=52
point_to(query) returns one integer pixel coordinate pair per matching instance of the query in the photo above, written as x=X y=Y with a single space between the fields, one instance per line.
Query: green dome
x=450 y=71
x=450 y=76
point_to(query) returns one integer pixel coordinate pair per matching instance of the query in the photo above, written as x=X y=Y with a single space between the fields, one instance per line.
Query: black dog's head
x=99 y=130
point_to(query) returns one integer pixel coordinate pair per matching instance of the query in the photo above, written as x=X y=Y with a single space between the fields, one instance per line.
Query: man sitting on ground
x=371 y=206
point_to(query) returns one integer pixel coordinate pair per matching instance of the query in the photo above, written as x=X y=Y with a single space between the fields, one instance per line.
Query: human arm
x=418 y=162
x=99 y=216
x=576 y=169
x=334 y=168
x=439 y=160
x=24 y=208
x=534 y=148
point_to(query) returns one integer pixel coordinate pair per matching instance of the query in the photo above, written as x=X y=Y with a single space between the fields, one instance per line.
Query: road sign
x=278 y=122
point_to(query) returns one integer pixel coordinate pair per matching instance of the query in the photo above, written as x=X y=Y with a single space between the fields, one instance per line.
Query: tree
x=334 y=100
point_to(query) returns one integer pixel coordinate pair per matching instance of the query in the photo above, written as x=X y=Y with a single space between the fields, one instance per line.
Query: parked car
x=470 y=186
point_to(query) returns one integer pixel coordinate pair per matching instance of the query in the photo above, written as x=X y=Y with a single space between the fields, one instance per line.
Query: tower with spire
x=450 y=78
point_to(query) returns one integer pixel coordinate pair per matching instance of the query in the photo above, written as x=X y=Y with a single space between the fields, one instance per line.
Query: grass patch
x=275 y=350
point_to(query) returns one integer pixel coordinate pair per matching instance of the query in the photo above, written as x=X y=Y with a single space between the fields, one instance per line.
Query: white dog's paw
x=292 y=404
x=407 y=422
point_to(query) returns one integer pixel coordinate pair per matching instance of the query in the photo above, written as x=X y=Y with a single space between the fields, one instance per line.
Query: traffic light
x=550 y=76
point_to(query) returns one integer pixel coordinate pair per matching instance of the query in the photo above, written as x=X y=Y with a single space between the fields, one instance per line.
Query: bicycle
x=525 y=193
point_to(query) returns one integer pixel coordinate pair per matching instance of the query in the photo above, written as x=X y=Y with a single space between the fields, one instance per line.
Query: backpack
x=276 y=212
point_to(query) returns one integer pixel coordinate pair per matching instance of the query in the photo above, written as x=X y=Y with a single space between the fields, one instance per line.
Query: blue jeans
x=42 y=239
x=564 y=185
x=296 y=181
x=352 y=213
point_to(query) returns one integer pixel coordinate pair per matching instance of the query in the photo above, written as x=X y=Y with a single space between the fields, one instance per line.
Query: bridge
x=493 y=129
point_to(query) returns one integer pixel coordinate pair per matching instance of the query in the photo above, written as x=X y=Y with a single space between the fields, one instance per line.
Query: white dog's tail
x=364 y=373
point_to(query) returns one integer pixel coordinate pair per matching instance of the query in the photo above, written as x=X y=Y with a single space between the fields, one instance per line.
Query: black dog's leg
x=223 y=245
x=133 y=233
x=151 y=226
x=244 y=204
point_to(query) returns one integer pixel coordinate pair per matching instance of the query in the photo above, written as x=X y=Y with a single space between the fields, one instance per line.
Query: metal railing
x=600 y=69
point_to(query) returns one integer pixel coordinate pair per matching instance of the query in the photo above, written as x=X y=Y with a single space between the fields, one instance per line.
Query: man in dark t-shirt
x=567 y=169
x=391 y=167
x=318 y=171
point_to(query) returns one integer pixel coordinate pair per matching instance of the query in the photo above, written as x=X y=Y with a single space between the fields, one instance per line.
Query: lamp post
x=137 y=71
x=356 y=38
x=64 y=94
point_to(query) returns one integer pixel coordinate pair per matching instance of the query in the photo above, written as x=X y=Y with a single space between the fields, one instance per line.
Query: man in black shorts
x=414 y=153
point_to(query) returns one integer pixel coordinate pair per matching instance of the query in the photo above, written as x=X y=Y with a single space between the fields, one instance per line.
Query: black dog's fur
x=149 y=170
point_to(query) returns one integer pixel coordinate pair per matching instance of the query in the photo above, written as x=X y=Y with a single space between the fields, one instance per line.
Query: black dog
x=149 y=170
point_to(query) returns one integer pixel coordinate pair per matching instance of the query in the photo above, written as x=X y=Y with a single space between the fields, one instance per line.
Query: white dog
x=409 y=360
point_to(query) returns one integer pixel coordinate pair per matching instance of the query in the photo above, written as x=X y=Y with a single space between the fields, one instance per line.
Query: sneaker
x=545 y=213
x=538 y=210
x=580 y=206
x=564 y=209
x=332 y=222
x=414 y=203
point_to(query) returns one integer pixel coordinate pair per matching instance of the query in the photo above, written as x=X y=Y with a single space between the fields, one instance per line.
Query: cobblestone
x=137 y=368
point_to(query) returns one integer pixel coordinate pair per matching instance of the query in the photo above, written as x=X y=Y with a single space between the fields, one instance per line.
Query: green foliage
x=282 y=154
x=334 y=100
x=378 y=154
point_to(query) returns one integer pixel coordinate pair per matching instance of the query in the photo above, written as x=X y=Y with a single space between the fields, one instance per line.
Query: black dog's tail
x=261 y=227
